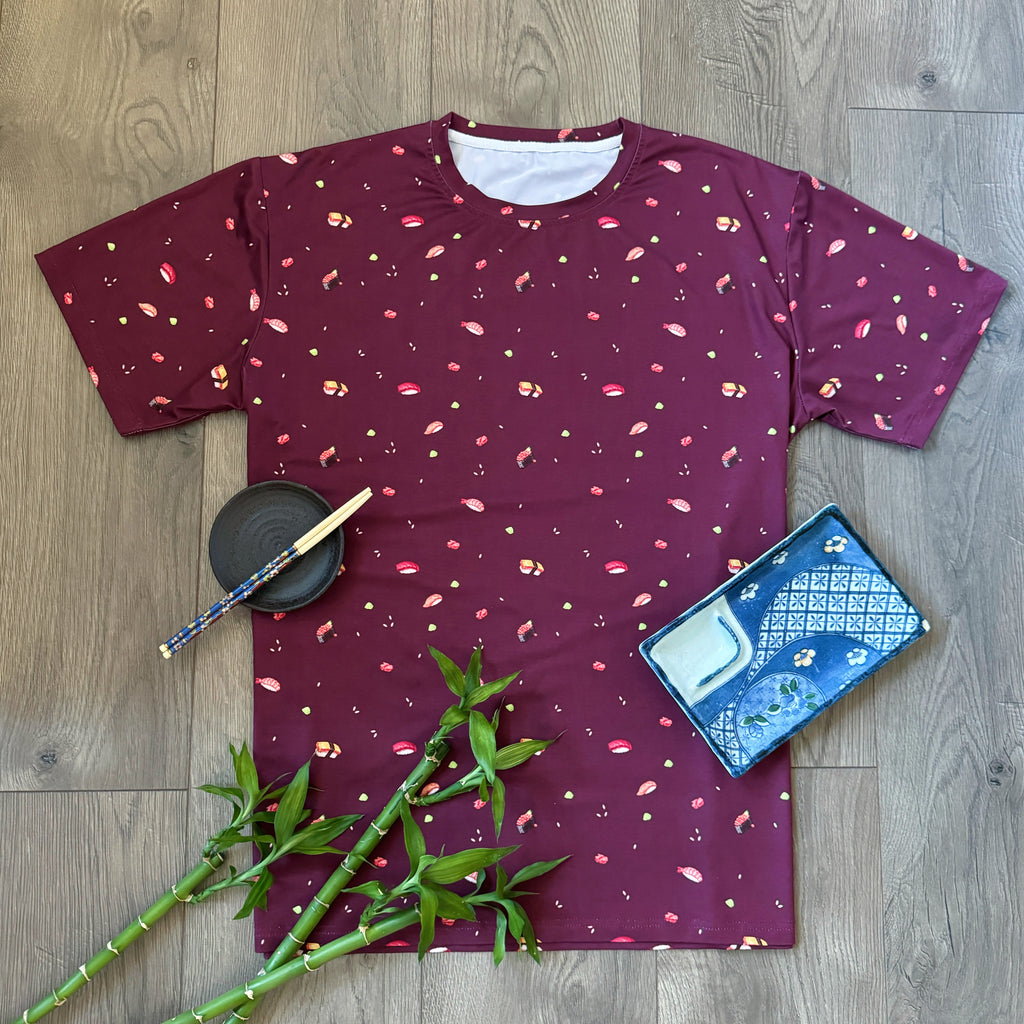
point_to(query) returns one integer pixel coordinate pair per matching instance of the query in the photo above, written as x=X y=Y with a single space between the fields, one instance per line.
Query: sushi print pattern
x=574 y=417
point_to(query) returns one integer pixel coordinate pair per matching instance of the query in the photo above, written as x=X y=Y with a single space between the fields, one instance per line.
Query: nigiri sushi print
x=568 y=422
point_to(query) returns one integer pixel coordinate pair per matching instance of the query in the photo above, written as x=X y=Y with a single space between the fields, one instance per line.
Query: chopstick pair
x=262 y=576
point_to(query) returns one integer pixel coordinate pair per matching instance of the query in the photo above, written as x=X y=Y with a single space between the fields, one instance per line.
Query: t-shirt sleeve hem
x=960 y=348
x=58 y=277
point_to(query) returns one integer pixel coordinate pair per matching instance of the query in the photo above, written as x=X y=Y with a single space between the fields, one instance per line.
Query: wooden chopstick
x=262 y=576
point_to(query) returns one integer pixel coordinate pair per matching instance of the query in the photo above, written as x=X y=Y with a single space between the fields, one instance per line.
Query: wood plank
x=568 y=988
x=101 y=575
x=950 y=727
x=100 y=861
x=834 y=973
x=537 y=64
x=928 y=55
x=330 y=72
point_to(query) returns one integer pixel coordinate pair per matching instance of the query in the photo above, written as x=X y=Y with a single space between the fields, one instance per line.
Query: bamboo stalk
x=436 y=748
x=181 y=892
x=253 y=991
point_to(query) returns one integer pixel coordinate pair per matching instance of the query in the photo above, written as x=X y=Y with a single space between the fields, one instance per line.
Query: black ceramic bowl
x=256 y=525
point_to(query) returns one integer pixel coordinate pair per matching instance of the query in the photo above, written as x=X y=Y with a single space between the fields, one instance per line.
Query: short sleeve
x=163 y=301
x=885 y=320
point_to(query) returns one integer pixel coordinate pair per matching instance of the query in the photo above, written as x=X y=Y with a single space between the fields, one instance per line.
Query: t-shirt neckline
x=467 y=194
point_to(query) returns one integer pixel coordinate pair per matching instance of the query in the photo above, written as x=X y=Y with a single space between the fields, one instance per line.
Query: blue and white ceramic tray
x=784 y=638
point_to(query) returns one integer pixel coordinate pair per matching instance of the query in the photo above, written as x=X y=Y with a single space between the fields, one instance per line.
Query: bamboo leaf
x=372 y=889
x=415 y=844
x=452 y=673
x=485 y=690
x=472 y=682
x=291 y=805
x=453 y=717
x=498 y=805
x=455 y=866
x=481 y=739
x=529 y=937
x=516 y=753
x=228 y=792
x=245 y=771
x=452 y=906
x=500 y=930
x=534 y=870
x=257 y=895
x=428 y=911
x=515 y=919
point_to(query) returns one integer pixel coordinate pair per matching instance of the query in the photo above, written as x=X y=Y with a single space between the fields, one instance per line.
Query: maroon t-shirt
x=574 y=415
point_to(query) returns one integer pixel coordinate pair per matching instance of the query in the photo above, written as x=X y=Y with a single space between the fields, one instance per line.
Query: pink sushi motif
x=691 y=874
x=288 y=158
x=641 y=599
x=335 y=387
x=671 y=165
x=862 y=328
x=434 y=251
x=268 y=683
x=901 y=324
x=472 y=326
x=620 y=746
x=677 y=329
x=637 y=428
x=647 y=788
x=613 y=390
x=433 y=427
x=616 y=567
x=403 y=748
x=167 y=273
x=148 y=308
x=836 y=247
x=607 y=222
x=407 y=568
x=432 y=600
x=276 y=325
x=473 y=504
x=680 y=503
x=408 y=388
x=412 y=221
x=634 y=254
x=697 y=803
x=254 y=300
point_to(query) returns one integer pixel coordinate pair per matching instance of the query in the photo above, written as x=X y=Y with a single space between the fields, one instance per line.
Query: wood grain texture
x=296 y=75
x=936 y=55
x=537 y=62
x=570 y=988
x=82 y=867
x=100 y=113
x=951 y=731
x=834 y=975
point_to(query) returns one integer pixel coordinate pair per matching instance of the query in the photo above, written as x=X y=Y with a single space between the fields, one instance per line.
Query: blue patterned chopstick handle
x=241 y=593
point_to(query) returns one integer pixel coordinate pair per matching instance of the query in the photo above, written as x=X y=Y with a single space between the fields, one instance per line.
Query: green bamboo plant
x=280 y=831
x=470 y=691
x=246 y=826
x=429 y=883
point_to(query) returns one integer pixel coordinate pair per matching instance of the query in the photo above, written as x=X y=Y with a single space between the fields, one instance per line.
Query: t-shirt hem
x=960 y=348
x=58 y=277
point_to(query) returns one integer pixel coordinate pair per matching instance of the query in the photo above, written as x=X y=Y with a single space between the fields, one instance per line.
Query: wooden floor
x=909 y=856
